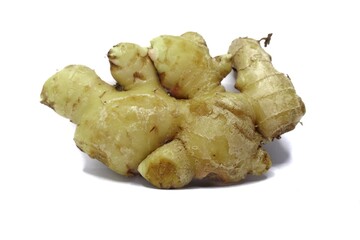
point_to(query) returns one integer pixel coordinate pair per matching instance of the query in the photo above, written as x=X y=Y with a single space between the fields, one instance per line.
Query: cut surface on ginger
x=169 y=119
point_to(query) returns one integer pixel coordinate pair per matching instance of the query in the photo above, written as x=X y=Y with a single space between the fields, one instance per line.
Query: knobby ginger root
x=168 y=118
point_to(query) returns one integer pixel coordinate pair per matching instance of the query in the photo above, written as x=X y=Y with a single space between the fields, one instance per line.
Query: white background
x=50 y=190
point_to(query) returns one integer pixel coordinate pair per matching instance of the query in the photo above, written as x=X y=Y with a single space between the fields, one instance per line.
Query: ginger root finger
x=185 y=66
x=83 y=89
x=278 y=108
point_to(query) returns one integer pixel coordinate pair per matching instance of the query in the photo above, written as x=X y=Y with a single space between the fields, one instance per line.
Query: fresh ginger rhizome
x=169 y=119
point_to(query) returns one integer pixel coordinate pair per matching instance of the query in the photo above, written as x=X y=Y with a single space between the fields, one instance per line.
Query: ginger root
x=169 y=119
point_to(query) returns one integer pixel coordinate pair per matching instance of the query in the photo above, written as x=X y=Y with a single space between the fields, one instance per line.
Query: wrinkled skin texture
x=171 y=121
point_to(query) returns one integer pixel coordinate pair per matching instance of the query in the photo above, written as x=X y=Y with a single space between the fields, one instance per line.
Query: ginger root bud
x=169 y=119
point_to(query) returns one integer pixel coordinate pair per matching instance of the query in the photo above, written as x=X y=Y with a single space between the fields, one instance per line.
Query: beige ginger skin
x=168 y=118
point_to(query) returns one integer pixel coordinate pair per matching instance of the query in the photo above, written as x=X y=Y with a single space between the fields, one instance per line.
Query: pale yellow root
x=140 y=126
x=278 y=109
